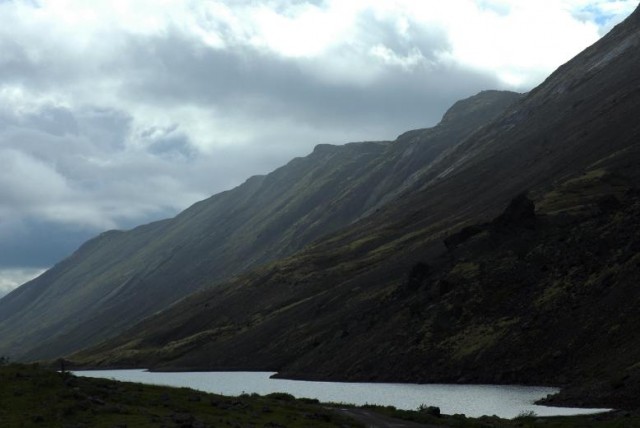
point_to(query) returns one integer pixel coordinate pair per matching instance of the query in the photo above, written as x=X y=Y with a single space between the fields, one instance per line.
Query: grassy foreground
x=31 y=396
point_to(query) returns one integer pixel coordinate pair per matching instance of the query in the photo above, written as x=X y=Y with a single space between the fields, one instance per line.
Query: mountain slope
x=119 y=278
x=444 y=284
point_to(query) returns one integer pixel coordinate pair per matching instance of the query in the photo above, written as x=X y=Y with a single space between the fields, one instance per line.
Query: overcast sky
x=115 y=113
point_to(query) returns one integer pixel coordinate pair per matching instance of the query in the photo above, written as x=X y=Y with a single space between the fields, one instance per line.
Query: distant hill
x=513 y=258
x=118 y=278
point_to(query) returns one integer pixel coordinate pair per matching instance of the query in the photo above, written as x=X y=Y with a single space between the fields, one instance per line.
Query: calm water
x=472 y=400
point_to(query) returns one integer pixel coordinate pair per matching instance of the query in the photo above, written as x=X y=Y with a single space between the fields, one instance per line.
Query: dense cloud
x=114 y=116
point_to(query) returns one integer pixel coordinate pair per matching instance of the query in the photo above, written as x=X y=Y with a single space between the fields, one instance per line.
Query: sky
x=116 y=113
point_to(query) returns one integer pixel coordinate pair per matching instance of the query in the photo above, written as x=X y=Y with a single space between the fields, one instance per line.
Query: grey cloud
x=107 y=126
x=95 y=180
x=172 y=144
x=267 y=86
x=172 y=69
x=38 y=244
x=53 y=120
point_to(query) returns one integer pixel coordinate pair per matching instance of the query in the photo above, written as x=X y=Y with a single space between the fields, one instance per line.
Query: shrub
x=526 y=414
x=282 y=396
x=429 y=410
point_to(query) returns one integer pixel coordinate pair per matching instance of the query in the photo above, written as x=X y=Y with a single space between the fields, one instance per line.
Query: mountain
x=119 y=277
x=513 y=259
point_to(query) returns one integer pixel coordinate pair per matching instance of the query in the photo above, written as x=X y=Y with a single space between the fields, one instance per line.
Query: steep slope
x=441 y=284
x=119 y=278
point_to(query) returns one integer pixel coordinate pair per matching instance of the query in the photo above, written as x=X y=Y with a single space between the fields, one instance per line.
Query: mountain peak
x=475 y=104
x=324 y=148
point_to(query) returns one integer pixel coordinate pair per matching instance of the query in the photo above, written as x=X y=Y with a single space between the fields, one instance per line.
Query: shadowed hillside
x=120 y=277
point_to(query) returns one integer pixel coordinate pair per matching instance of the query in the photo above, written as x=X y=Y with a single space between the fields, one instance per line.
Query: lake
x=472 y=400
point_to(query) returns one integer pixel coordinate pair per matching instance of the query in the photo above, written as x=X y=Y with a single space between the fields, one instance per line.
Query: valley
x=499 y=247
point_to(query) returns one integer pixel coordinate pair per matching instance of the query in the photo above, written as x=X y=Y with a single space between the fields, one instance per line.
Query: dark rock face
x=417 y=276
x=465 y=234
x=521 y=212
x=608 y=203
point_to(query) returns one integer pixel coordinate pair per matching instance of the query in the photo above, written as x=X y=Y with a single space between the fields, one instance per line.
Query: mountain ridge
x=120 y=277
